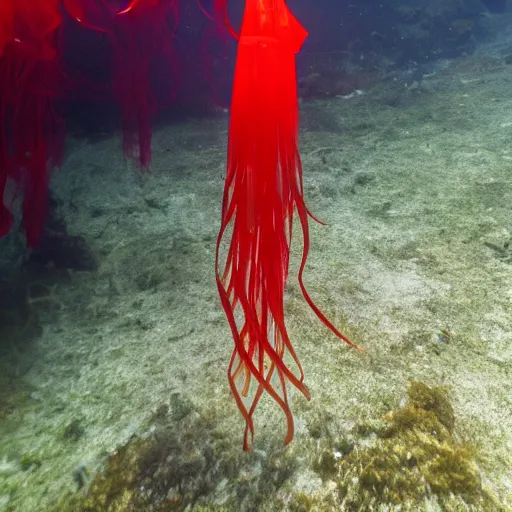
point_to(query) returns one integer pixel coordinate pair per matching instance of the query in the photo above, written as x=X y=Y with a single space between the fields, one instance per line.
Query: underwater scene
x=255 y=255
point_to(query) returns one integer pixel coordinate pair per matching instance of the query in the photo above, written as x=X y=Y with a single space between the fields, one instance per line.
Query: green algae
x=413 y=457
x=179 y=465
x=409 y=458
x=117 y=487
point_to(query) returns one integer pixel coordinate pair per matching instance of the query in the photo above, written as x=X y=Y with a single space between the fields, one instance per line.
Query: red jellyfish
x=263 y=191
x=31 y=131
x=141 y=33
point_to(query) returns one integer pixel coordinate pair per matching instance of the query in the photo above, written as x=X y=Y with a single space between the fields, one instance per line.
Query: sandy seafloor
x=414 y=264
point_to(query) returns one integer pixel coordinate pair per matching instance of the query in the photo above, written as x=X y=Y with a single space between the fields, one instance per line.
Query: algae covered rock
x=413 y=457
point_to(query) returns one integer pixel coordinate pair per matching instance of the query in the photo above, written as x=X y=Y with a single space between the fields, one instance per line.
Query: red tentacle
x=263 y=190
